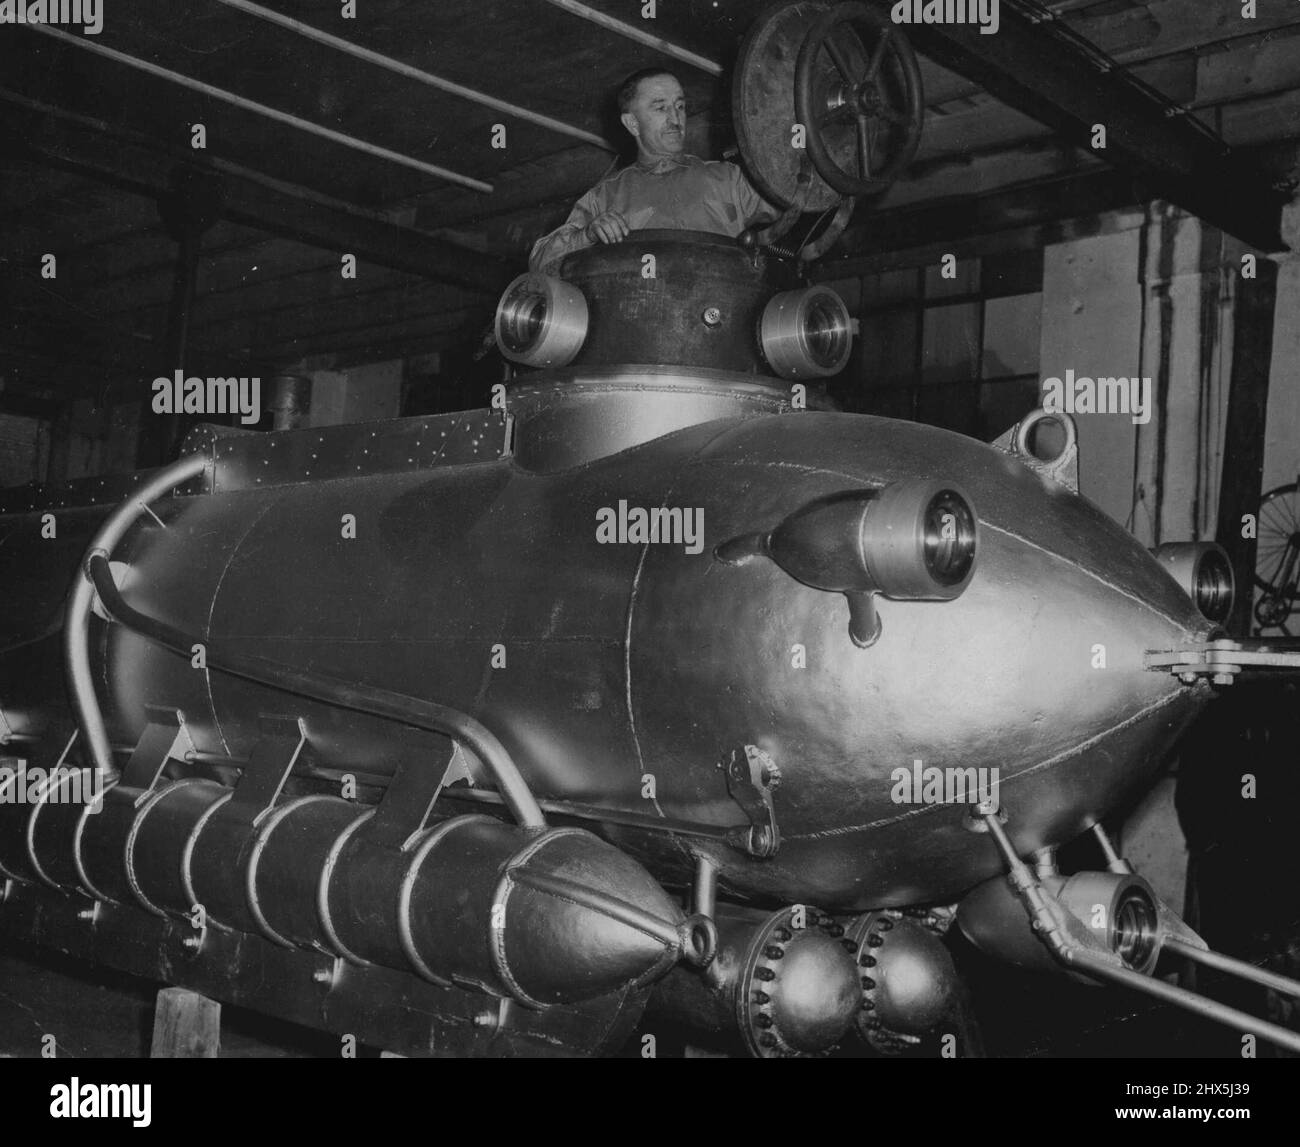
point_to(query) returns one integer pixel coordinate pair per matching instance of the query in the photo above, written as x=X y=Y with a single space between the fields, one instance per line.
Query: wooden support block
x=185 y=1026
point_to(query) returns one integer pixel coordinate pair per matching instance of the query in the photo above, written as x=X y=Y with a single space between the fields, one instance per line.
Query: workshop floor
x=95 y=1013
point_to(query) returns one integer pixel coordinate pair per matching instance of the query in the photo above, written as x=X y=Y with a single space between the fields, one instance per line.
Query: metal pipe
x=76 y=621
x=265 y=111
x=632 y=32
x=360 y=698
x=721 y=833
x=1095 y=965
x=412 y=73
x=1245 y=971
x=1098 y=966
x=1114 y=862
x=706 y=886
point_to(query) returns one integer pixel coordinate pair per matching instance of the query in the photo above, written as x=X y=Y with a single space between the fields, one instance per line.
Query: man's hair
x=628 y=89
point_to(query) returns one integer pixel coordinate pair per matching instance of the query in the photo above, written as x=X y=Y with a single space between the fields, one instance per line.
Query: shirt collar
x=663 y=164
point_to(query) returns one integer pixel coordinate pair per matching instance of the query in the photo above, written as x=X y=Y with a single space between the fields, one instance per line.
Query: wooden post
x=185 y=1026
x=1243 y=445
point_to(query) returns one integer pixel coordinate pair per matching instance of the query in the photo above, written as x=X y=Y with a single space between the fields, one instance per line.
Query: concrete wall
x=1282 y=437
x=1152 y=294
x=1092 y=324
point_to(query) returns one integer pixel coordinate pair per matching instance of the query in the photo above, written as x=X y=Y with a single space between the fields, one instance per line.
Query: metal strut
x=1069 y=940
x=1224 y=660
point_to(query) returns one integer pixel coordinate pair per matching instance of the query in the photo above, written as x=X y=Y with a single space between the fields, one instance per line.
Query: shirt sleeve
x=571 y=235
x=752 y=206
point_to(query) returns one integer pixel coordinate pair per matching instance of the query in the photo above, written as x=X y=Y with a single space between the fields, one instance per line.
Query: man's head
x=653 y=109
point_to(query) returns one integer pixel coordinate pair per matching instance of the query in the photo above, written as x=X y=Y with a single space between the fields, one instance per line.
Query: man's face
x=657 y=117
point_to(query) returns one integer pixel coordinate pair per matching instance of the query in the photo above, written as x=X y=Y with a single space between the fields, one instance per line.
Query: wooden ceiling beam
x=68 y=142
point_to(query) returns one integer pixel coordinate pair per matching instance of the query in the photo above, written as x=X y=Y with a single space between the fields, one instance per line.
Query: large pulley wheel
x=813 y=81
x=762 y=106
x=857 y=92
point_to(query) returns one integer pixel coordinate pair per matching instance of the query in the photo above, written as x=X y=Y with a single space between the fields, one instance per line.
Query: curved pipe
x=76 y=620
x=414 y=711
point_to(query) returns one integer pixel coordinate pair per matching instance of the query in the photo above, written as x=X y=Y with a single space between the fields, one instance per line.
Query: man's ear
x=629 y=121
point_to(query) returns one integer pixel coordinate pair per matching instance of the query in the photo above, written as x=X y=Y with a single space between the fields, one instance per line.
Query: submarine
x=383 y=729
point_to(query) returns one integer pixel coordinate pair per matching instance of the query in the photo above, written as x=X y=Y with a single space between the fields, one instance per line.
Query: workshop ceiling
x=90 y=141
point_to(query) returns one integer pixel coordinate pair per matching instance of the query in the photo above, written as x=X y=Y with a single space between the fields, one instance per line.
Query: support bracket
x=752 y=777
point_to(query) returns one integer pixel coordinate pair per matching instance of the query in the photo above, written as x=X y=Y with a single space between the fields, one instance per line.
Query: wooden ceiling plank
x=72 y=145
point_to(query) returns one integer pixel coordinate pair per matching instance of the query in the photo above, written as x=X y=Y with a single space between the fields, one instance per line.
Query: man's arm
x=753 y=207
x=572 y=234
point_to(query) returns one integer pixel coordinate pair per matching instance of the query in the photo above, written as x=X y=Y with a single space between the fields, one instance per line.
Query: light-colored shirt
x=678 y=192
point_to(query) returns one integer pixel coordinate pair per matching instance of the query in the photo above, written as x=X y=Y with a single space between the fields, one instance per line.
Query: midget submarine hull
x=438 y=559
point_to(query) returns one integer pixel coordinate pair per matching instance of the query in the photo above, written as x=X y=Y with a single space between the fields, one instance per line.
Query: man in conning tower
x=665 y=187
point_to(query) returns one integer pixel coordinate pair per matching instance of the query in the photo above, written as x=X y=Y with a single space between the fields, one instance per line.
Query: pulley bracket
x=269 y=765
x=752 y=777
x=1221 y=661
x=164 y=737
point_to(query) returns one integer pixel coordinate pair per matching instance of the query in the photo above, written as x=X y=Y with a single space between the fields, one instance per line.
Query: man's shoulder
x=718 y=168
x=615 y=178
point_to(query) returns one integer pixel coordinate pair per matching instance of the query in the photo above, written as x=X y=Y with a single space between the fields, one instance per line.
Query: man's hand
x=608 y=227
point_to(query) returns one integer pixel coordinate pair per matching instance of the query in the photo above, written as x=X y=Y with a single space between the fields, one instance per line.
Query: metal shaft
x=631 y=32
x=1095 y=965
x=412 y=73
x=265 y=111
x=1114 y=862
x=1241 y=968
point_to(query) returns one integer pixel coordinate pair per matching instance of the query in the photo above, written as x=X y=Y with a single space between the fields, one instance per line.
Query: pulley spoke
x=841 y=61
x=864 y=147
x=878 y=56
